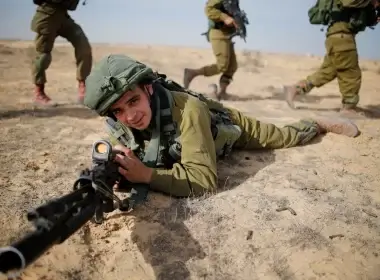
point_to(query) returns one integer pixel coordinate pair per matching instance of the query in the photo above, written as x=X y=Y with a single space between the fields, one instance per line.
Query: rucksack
x=324 y=12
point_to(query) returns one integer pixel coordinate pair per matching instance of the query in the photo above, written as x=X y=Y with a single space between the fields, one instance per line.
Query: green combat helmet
x=111 y=77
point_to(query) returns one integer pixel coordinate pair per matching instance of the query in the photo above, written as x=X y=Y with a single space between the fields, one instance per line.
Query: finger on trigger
x=121 y=148
x=120 y=159
x=129 y=153
x=122 y=171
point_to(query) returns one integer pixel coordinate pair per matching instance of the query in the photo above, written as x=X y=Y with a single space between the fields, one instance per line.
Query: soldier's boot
x=224 y=82
x=41 y=98
x=222 y=93
x=337 y=125
x=81 y=91
x=351 y=110
x=213 y=93
x=292 y=91
x=189 y=74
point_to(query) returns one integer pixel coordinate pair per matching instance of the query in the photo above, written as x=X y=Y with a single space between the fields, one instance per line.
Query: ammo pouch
x=224 y=132
x=358 y=16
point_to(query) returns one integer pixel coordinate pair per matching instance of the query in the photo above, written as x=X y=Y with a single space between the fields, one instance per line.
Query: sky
x=273 y=27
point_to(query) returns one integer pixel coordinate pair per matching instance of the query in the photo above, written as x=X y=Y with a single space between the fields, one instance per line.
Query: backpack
x=325 y=12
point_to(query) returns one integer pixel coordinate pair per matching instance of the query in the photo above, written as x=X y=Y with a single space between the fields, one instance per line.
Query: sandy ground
x=331 y=184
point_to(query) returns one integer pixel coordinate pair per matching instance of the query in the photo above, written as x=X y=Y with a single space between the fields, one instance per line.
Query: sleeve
x=197 y=172
x=213 y=12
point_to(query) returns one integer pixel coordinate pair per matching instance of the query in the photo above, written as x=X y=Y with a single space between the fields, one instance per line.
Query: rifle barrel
x=35 y=244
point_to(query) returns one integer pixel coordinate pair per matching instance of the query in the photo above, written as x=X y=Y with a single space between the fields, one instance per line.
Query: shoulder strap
x=151 y=155
x=121 y=133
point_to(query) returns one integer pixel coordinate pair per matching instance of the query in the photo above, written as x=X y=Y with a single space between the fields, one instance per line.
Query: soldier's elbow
x=207 y=185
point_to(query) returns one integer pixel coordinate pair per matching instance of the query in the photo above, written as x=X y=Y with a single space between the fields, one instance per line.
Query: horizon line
x=65 y=42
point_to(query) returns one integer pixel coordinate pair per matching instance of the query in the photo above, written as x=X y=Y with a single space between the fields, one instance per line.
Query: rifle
x=375 y=15
x=58 y=219
x=233 y=9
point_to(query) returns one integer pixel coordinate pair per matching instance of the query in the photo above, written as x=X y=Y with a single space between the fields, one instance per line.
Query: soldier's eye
x=133 y=101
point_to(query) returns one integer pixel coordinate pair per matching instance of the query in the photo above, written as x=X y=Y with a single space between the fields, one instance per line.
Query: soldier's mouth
x=138 y=123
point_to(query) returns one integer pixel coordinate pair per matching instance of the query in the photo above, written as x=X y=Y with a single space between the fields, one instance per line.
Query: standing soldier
x=51 y=20
x=222 y=26
x=344 y=19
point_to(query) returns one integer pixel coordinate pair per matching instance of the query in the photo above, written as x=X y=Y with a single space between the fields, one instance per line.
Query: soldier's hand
x=131 y=166
x=229 y=21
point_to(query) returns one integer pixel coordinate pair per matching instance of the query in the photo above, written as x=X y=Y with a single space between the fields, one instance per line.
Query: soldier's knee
x=43 y=60
x=80 y=42
x=83 y=46
x=225 y=79
x=222 y=62
x=222 y=65
x=44 y=43
x=231 y=69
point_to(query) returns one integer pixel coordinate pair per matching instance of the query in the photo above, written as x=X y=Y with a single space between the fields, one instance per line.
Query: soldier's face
x=133 y=108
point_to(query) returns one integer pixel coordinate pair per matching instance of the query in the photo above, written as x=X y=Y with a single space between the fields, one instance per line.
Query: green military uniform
x=194 y=117
x=341 y=61
x=197 y=171
x=223 y=48
x=51 y=20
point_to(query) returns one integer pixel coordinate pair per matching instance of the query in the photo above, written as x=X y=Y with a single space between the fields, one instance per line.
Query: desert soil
x=332 y=184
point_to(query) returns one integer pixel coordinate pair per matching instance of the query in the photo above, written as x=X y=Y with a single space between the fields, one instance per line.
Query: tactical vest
x=164 y=147
x=328 y=12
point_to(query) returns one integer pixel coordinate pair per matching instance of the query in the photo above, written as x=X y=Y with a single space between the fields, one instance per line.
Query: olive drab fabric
x=344 y=19
x=111 y=77
x=224 y=52
x=196 y=173
x=49 y=22
x=342 y=62
x=219 y=37
x=355 y=3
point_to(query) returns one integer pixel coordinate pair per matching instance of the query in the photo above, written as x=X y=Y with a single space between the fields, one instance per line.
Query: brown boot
x=351 y=111
x=222 y=93
x=213 y=91
x=81 y=91
x=338 y=126
x=292 y=91
x=41 y=98
x=190 y=74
